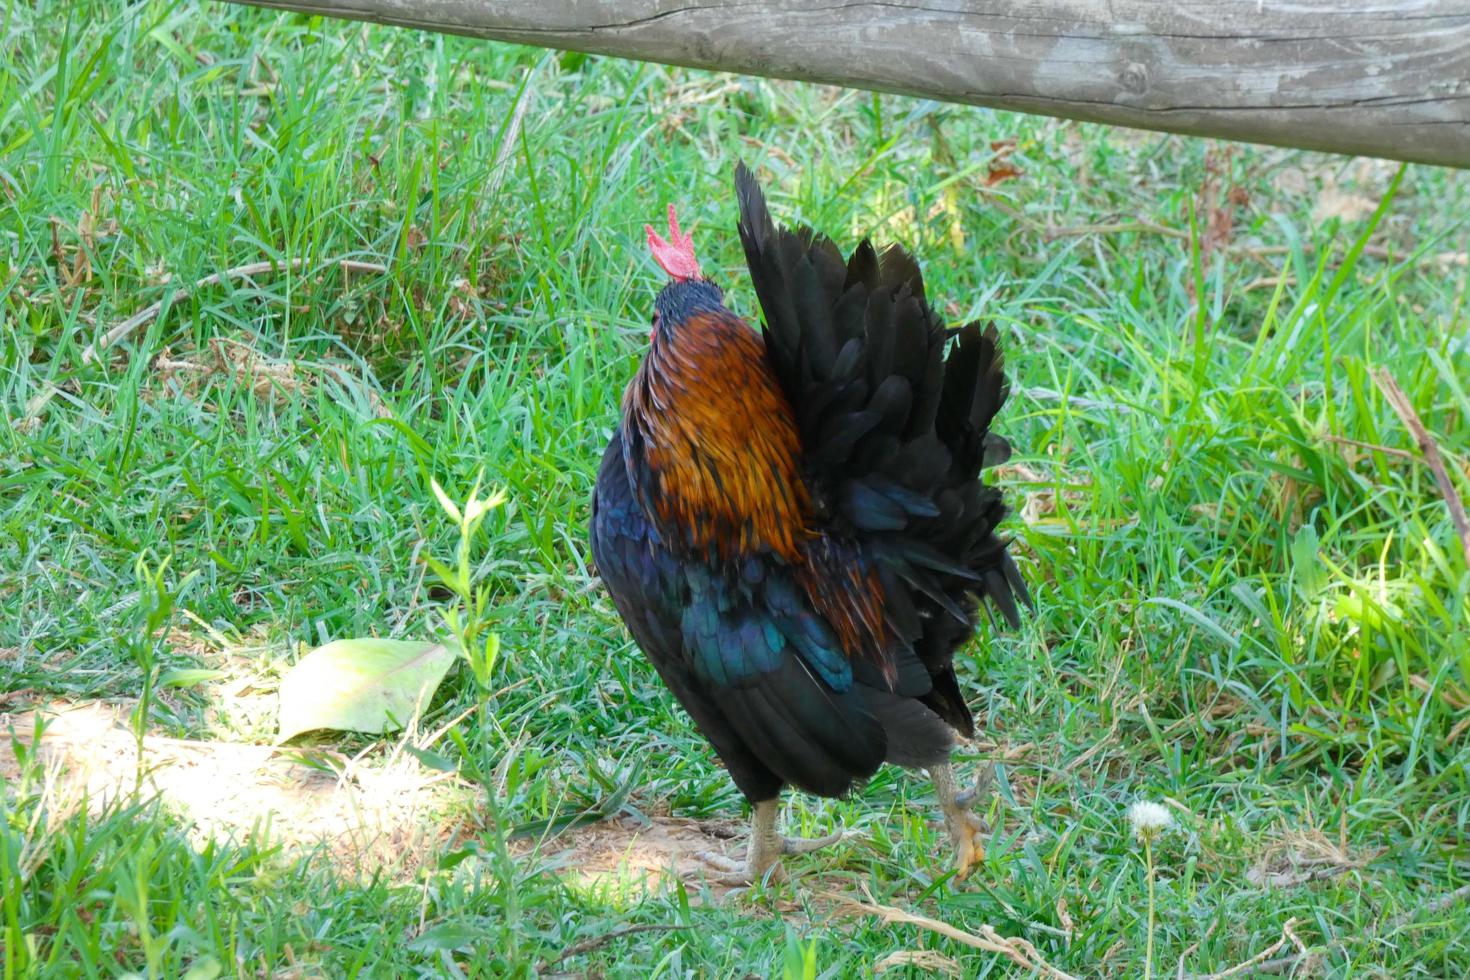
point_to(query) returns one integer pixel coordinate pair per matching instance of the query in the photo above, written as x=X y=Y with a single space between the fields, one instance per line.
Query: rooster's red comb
x=675 y=256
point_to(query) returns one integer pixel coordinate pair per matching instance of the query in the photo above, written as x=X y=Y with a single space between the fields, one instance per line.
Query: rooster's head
x=688 y=291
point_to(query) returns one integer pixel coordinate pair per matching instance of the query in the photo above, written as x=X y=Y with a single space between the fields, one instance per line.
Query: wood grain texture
x=1387 y=78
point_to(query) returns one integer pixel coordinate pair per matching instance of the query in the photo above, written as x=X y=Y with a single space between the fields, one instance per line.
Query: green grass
x=1236 y=610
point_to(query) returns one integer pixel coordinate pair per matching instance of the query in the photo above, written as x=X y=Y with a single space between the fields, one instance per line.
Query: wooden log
x=1386 y=78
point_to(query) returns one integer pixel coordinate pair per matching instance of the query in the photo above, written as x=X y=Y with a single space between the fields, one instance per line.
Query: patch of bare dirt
x=390 y=816
x=629 y=857
x=386 y=816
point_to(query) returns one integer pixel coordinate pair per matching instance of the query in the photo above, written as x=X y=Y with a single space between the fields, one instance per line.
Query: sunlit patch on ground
x=393 y=817
x=621 y=861
x=386 y=817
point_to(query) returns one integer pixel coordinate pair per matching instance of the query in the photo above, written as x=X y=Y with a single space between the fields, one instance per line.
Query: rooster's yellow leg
x=763 y=854
x=966 y=829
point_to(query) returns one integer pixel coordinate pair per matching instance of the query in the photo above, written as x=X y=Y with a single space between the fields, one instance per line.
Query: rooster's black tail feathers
x=894 y=411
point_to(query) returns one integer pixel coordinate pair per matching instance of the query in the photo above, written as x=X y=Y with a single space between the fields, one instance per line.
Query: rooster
x=792 y=523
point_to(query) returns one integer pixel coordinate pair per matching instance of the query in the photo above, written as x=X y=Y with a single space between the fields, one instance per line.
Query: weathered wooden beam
x=1386 y=78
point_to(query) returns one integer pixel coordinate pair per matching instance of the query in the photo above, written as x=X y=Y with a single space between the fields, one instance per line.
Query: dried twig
x=920 y=959
x=1069 y=928
x=1372 y=447
x=1267 y=282
x=1430 y=449
x=597 y=942
x=146 y=315
x=509 y=137
x=1255 y=962
x=1294 y=879
x=1290 y=933
x=1190 y=950
x=1018 y=951
x=1437 y=904
x=1095 y=748
x=1052 y=232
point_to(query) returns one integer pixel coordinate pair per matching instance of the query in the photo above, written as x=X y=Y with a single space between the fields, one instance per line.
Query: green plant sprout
x=469 y=622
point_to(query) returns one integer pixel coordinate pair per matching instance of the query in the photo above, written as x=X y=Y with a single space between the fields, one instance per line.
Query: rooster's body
x=792 y=524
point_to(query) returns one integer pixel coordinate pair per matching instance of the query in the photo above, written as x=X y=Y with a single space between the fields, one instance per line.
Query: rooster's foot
x=966 y=829
x=763 y=854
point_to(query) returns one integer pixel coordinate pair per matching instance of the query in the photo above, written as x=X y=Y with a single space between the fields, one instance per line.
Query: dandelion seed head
x=1149 y=819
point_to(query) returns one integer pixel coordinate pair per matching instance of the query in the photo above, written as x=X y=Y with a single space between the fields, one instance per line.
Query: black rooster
x=793 y=526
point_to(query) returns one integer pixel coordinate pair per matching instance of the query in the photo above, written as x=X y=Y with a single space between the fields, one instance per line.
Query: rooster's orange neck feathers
x=712 y=444
x=720 y=446
x=720 y=472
